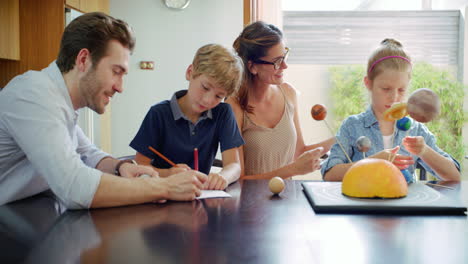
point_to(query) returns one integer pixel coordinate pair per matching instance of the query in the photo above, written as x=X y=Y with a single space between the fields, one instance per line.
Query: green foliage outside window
x=349 y=97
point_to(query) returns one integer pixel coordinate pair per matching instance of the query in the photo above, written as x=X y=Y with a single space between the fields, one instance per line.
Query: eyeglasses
x=277 y=63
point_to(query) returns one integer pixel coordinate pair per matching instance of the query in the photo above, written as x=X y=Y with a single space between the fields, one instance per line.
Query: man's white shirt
x=41 y=145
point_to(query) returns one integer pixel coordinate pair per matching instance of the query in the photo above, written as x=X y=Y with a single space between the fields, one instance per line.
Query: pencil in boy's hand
x=195 y=159
x=162 y=156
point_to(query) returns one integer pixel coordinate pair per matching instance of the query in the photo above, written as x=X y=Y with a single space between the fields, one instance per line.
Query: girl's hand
x=415 y=145
x=400 y=161
x=386 y=154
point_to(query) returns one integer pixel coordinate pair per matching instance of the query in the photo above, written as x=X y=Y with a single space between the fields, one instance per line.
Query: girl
x=388 y=76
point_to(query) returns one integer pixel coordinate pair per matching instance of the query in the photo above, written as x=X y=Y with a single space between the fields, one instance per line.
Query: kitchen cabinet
x=89 y=5
x=9 y=30
x=41 y=25
x=73 y=3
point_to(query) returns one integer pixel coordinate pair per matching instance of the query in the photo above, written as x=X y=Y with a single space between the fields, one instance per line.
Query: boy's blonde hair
x=220 y=64
x=390 y=55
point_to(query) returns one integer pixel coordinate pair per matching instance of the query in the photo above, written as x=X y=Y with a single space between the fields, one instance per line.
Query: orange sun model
x=374 y=178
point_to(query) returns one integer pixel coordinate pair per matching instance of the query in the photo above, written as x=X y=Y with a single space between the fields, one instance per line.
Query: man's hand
x=185 y=186
x=130 y=170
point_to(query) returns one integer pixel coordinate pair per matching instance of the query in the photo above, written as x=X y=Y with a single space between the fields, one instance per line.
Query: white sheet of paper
x=205 y=194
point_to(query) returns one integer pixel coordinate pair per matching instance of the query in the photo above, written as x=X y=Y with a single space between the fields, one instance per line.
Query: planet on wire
x=404 y=124
x=363 y=144
x=423 y=105
x=319 y=112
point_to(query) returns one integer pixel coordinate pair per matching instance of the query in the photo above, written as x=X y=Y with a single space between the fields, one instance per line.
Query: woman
x=266 y=110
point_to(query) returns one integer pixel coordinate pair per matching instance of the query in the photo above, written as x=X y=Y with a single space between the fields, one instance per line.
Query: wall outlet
x=147 y=65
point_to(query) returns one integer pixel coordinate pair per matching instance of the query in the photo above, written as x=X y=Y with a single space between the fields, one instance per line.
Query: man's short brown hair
x=92 y=31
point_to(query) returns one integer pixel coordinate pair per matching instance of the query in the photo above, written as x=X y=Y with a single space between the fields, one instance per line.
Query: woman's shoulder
x=289 y=91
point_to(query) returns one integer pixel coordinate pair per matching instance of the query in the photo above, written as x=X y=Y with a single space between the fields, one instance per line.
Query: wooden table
x=251 y=227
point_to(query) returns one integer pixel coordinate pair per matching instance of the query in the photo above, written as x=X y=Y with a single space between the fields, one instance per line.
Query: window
x=348 y=37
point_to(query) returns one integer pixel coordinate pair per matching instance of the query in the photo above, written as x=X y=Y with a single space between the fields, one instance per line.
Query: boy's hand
x=215 y=182
x=181 y=167
x=415 y=145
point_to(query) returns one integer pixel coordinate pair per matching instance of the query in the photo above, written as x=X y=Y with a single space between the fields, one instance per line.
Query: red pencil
x=195 y=159
x=162 y=156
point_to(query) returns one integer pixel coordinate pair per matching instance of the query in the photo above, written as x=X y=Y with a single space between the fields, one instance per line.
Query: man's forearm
x=107 y=165
x=119 y=191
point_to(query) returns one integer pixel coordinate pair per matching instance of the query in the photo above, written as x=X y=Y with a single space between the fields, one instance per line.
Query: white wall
x=170 y=39
x=312 y=83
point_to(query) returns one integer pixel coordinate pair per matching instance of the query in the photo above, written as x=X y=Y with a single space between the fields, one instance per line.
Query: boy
x=196 y=118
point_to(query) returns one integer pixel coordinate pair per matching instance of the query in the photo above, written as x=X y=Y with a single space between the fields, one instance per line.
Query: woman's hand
x=308 y=161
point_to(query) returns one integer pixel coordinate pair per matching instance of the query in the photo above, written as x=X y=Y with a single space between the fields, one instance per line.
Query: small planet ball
x=395 y=112
x=363 y=144
x=319 y=112
x=276 y=185
x=423 y=105
x=404 y=124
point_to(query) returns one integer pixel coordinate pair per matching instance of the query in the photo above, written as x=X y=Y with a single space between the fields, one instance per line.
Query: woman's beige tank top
x=267 y=149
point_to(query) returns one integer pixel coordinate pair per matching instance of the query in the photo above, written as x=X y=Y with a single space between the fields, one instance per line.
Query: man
x=42 y=147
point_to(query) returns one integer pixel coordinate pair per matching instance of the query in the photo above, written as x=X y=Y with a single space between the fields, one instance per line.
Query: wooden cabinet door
x=40 y=29
x=87 y=6
x=9 y=30
x=94 y=5
x=73 y=3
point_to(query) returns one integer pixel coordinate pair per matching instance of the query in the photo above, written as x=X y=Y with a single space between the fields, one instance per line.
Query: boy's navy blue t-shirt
x=166 y=129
